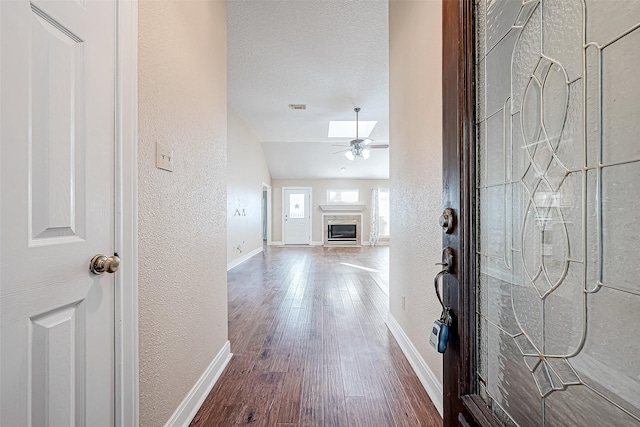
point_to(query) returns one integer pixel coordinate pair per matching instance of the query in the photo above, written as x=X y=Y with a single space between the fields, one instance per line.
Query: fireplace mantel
x=342 y=208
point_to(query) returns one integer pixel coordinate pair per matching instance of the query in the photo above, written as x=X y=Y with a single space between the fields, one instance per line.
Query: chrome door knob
x=101 y=263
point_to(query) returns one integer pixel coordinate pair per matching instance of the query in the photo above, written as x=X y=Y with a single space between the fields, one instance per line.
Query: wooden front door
x=542 y=168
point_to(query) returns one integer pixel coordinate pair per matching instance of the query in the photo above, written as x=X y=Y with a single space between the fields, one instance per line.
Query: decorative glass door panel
x=558 y=194
x=296 y=205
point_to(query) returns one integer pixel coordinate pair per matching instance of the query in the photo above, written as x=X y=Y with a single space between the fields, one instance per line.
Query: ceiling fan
x=359 y=147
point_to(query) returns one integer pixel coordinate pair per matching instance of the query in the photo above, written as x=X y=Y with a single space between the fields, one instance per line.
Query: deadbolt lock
x=447 y=220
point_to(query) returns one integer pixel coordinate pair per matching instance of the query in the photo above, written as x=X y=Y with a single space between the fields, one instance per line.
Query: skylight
x=347 y=129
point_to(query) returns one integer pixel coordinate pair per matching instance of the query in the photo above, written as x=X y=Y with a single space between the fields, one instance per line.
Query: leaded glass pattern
x=558 y=190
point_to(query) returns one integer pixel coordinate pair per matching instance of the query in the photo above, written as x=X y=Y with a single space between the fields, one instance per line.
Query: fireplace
x=342 y=231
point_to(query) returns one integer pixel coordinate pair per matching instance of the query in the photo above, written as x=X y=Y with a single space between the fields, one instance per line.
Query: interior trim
x=126 y=220
x=236 y=262
x=269 y=211
x=427 y=378
x=192 y=402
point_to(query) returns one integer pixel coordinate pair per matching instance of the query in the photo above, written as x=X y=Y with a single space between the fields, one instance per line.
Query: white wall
x=246 y=171
x=182 y=218
x=415 y=50
x=319 y=197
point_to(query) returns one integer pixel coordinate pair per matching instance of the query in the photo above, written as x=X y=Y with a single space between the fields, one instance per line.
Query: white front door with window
x=297 y=216
x=57 y=178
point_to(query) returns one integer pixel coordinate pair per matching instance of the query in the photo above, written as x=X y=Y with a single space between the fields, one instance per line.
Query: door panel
x=297 y=217
x=57 y=177
x=552 y=162
x=56 y=205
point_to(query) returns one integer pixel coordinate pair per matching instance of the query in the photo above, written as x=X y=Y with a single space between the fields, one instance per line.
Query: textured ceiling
x=332 y=55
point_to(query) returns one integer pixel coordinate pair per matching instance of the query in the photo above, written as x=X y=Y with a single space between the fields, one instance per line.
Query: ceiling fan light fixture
x=360 y=147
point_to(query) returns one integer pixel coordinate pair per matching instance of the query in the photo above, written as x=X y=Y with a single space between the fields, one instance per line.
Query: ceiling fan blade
x=342 y=151
x=367 y=142
x=379 y=146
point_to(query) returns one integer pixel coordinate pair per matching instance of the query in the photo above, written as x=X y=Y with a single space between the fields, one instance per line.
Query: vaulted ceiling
x=332 y=55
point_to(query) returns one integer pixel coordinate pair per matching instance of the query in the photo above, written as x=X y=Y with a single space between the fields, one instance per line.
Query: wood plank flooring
x=311 y=348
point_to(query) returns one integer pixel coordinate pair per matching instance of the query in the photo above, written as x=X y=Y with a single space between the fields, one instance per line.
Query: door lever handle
x=444 y=264
x=447 y=268
x=447 y=260
x=436 y=283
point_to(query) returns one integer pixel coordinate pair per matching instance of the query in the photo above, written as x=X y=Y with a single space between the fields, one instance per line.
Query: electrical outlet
x=404 y=306
x=164 y=157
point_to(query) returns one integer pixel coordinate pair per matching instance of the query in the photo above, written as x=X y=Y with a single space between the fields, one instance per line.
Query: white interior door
x=297 y=216
x=57 y=178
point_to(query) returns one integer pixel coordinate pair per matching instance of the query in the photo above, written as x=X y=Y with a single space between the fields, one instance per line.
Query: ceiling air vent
x=298 y=106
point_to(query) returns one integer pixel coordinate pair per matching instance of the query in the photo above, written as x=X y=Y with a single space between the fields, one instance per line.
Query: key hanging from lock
x=440 y=330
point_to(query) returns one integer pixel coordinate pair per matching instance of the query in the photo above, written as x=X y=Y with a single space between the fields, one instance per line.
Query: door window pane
x=296 y=205
x=557 y=177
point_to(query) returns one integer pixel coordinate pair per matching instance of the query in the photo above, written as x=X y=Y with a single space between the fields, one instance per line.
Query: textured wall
x=319 y=197
x=182 y=218
x=246 y=171
x=415 y=52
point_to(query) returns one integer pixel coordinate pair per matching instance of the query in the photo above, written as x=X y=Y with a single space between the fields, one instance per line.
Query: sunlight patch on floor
x=360 y=267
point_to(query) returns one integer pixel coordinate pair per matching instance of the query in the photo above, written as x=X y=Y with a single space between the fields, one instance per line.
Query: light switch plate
x=164 y=157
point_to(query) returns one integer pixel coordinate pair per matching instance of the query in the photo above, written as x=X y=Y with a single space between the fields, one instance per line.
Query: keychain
x=440 y=330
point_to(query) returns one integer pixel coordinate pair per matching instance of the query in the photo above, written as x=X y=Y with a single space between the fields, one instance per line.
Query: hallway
x=311 y=348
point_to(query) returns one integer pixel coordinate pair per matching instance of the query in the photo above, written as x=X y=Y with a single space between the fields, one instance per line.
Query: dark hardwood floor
x=311 y=347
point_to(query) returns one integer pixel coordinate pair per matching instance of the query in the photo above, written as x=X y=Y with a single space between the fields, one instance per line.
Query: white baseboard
x=368 y=243
x=236 y=262
x=313 y=243
x=189 y=407
x=428 y=379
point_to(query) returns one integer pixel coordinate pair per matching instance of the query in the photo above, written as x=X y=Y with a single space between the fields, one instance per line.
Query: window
x=383 y=212
x=347 y=129
x=336 y=197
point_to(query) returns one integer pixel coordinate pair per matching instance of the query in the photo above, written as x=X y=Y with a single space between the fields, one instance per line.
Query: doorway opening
x=266 y=215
